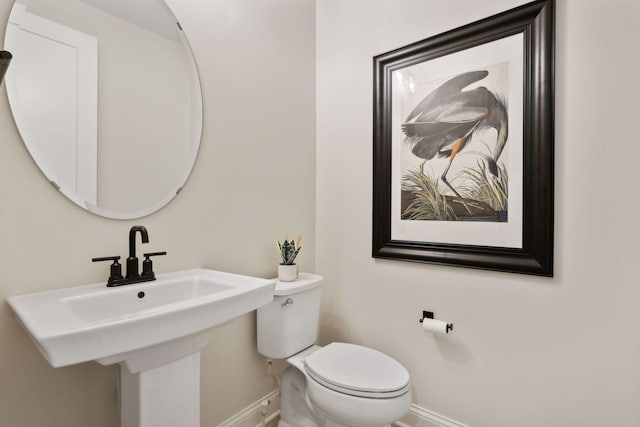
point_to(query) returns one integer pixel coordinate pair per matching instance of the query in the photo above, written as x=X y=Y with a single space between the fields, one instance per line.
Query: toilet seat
x=357 y=371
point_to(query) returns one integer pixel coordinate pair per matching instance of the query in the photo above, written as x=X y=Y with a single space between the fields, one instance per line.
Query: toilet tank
x=289 y=324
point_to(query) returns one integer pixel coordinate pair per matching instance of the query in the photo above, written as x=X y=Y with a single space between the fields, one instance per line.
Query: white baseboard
x=422 y=417
x=416 y=417
x=250 y=416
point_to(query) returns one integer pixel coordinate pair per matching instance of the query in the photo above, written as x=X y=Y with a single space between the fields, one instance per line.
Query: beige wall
x=252 y=183
x=526 y=351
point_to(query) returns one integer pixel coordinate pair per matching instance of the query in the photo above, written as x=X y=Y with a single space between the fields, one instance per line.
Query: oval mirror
x=106 y=96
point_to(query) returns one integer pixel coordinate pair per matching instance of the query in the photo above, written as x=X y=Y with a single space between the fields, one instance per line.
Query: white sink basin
x=94 y=322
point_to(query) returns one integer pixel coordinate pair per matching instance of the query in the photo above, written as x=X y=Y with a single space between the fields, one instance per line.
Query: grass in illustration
x=421 y=199
x=483 y=196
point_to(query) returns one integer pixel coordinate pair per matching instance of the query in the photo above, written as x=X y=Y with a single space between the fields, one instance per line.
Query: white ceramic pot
x=287 y=272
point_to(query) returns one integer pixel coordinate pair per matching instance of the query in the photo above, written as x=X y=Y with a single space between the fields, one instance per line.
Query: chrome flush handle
x=287 y=302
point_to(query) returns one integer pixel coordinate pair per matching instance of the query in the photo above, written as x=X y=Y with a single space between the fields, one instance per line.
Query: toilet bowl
x=340 y=384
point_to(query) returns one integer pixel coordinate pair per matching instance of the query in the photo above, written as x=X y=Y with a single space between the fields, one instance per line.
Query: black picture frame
x=535 y=21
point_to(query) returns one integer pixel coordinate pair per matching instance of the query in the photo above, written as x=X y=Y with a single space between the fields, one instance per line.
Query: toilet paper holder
x=429 y=315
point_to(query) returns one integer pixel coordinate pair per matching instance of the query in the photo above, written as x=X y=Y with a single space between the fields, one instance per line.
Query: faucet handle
x=116 y=268
x=147 y=264
x=147 y=255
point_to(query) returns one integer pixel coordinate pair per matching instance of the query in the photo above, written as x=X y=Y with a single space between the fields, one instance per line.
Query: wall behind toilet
x=256 y=60
x=525 y=351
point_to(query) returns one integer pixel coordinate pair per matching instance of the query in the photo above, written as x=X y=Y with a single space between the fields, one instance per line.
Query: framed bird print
x=463 y=145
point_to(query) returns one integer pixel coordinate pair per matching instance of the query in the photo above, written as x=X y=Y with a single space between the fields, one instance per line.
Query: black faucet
x=132 y=261
x=133 y=276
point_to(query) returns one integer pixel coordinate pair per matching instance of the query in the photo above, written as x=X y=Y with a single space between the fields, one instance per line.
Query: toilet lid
x=358 y=371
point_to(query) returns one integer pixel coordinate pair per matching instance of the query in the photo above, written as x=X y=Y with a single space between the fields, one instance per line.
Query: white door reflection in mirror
x=57 y=110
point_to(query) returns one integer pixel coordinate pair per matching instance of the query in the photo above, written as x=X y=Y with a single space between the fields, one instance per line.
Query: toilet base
x=295 y=410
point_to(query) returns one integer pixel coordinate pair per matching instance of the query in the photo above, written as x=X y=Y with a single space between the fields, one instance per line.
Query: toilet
x=340 y=384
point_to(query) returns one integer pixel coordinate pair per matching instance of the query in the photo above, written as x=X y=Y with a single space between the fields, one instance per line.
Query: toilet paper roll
x=436 y=326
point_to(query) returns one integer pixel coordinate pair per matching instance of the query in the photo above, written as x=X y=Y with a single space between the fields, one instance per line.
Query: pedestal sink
x=154 y=330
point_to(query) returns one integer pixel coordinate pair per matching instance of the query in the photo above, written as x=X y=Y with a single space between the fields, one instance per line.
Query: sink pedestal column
x=160 y=385
x=166 y=396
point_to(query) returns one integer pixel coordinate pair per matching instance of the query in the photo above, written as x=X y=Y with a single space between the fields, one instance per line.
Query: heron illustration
x=445 y=120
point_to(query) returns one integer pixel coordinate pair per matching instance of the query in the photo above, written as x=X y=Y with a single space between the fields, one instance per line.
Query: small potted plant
x=288 y=269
